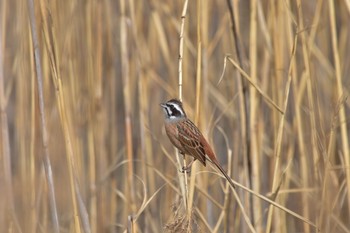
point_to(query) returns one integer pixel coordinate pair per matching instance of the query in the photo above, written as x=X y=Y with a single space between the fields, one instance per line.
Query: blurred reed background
x=106 y=66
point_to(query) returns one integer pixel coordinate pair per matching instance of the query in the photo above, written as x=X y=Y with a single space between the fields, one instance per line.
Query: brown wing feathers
x=196 y=145
x=189 y=136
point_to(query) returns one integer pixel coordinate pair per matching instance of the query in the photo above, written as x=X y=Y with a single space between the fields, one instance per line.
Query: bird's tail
x=228 y=178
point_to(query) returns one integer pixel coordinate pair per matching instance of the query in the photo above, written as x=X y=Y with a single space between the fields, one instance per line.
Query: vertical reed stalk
x=340 y=92
x=254 y=150
x=46 y=157
x=5 y=140
x=127 y=103
x=182 y=176
x=198 y=101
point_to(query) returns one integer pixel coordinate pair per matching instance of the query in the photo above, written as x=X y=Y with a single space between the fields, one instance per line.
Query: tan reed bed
x=82 y=143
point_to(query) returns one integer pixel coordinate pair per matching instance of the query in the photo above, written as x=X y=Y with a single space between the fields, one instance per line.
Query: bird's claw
x=185 y=169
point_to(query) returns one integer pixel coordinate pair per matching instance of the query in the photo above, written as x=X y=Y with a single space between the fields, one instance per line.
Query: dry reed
x=82 y=143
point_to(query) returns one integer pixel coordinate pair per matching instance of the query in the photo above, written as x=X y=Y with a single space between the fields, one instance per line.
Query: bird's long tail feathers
x=228 y=178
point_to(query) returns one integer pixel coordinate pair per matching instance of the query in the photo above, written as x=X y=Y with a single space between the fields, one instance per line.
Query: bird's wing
x=190 y=138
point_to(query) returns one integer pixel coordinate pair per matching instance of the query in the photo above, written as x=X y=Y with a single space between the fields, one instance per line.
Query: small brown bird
x=186 y=137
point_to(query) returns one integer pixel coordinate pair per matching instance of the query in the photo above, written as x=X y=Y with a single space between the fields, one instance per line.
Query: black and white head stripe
x=173 y=109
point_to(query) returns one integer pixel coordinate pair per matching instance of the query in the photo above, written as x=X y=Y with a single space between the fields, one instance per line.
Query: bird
x=187 y=138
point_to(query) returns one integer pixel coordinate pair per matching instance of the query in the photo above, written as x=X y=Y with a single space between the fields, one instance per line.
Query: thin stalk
x=182 y=176
x=33 y=212
x=254 y=150
x=5 y=143
x=198 y=98
x=340 y=92
x=46 y=158
x=277 y=150
x=52 y=51
x=127 y=102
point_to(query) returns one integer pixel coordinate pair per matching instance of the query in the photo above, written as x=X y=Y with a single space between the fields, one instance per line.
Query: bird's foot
x=186 y=169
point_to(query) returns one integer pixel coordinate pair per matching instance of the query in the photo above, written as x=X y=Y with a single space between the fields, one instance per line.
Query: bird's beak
x=163 y=105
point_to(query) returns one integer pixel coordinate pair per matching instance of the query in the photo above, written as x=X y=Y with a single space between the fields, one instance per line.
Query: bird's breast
x=172 y=132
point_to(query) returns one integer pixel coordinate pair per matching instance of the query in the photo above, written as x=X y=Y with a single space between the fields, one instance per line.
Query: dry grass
x=82 y=143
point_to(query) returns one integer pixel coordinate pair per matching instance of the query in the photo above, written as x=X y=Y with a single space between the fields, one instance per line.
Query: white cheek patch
x=167 y=111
